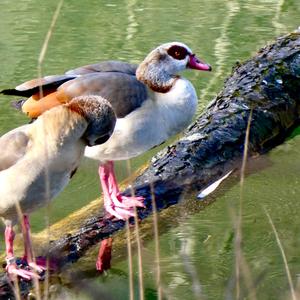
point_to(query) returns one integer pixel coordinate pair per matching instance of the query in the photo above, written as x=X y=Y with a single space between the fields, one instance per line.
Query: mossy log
x=266 y=87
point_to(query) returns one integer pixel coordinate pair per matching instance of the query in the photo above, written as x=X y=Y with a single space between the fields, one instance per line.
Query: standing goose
x=37 y=161
x=151 y=101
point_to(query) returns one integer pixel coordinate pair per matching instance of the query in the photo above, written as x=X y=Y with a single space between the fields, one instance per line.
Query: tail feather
x=14 y=92
x=48 y=86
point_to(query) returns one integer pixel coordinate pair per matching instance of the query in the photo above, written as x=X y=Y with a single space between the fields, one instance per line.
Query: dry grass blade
x=240 y=262
x=39 y=69
x=287 y=270
x=130 y=268
x=138 y=242
x=245 y=153
x=49 y=33
x=157 y=249
x=139 y=250
x=47 y=275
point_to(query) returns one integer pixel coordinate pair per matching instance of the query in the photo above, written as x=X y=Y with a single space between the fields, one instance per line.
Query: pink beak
x=197 y=64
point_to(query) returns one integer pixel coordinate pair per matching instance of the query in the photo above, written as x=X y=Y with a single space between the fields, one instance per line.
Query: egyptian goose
x=151 y=101
x=37 y=161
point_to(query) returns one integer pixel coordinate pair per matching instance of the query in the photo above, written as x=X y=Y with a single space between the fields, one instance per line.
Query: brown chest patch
x=161 y=88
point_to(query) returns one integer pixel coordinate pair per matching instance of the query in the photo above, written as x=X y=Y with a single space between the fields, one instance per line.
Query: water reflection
x=221 y=50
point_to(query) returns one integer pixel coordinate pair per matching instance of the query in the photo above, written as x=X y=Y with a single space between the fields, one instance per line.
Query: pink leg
x=121 y=207
x=104 y=255
x=28 y=255
x=120 y=200
x=11 y=267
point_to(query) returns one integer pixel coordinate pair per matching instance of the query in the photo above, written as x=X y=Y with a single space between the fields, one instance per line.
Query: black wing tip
x=14 y=92
x=9 y=92
x=17 y=104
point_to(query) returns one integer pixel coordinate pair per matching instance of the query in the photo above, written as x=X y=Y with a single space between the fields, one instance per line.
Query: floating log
x=266 y=87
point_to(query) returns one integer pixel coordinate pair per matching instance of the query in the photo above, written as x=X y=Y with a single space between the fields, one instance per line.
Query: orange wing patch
x=34 y=106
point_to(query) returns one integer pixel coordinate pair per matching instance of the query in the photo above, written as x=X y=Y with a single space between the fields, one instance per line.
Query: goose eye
x=178 y=52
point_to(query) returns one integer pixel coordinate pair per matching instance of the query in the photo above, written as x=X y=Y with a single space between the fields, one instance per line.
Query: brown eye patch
x=178 y=52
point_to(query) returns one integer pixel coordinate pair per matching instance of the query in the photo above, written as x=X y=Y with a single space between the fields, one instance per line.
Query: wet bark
x=268 y=85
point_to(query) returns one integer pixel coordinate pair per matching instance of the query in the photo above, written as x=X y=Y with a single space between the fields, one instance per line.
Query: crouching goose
x=151 y=101
x=37 y=161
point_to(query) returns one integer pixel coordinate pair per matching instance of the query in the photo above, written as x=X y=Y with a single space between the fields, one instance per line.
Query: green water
x=197 y=250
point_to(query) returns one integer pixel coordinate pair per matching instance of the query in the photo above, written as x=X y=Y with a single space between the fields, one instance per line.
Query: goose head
x=99 y=115
x=160 y=68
